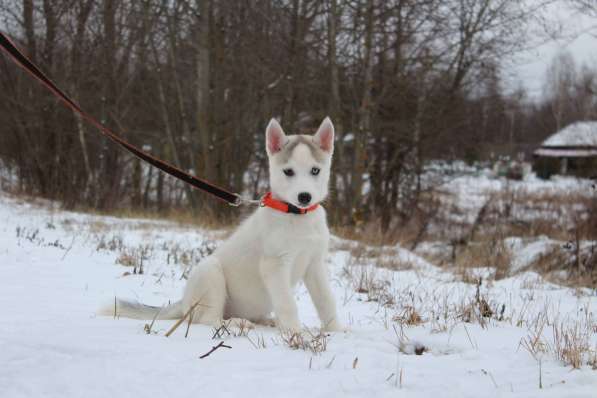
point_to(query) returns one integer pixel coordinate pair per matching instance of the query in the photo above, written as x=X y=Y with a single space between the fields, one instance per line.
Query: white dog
x=283 y=242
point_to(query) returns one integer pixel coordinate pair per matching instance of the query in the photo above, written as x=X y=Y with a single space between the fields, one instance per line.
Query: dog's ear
x=325 y=135
x=274 y=137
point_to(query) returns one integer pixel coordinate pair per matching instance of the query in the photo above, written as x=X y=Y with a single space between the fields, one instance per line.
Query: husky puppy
x=284 y=241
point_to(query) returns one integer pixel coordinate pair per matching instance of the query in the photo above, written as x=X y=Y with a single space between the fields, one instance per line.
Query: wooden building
x=570 y=151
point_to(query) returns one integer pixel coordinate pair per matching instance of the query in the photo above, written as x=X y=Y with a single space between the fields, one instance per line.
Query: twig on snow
x=214 y=348
x=68 y=249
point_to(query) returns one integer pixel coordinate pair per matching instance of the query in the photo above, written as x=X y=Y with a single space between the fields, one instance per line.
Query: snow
x=58 y=267
x=575 y=134
x=528 y=251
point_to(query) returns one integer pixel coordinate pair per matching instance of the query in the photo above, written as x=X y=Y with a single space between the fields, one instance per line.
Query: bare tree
x=405 y=81
x=561 y=78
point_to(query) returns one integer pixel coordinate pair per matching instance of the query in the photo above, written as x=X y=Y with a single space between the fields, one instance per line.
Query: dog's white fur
x=255 y=270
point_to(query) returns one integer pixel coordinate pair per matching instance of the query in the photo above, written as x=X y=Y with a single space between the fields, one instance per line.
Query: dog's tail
x=135 y=310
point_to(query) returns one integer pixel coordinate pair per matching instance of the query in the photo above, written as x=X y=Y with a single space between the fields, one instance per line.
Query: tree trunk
x=110 y=173
x=30 y=29
x=335 y=110
x=203 y=91
x=85 y=8
x=364 y=114
x=169 y=134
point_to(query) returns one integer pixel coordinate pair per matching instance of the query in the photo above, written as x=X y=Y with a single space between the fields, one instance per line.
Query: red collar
x=269 y=201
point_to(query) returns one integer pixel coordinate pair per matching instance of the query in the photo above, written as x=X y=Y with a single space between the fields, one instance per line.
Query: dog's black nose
x=304 y=198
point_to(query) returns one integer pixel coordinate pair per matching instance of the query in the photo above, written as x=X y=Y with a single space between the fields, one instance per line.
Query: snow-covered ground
x=58 y=267
x=467 y=194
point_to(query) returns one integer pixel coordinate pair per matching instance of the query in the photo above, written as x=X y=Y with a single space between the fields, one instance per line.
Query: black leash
x=24 y=62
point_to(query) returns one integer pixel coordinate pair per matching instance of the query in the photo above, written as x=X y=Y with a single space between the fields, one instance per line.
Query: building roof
x=575 y=140
x=566 y=153
x=574 y=135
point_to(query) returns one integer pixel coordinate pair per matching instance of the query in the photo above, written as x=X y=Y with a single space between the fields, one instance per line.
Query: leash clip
x=244 y=201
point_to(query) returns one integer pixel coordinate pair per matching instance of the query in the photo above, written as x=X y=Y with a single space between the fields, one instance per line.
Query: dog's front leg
x=316 y=281
x=276 y=276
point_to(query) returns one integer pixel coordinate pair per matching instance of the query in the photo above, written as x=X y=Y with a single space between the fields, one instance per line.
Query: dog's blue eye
x=289 y=172
x=315 y=171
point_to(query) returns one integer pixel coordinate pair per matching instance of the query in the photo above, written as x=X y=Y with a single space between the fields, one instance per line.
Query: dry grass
x=478 y=309
x=379 y=256
x=569 y=341
x=314 y=342
x=182 y=216
x=571 y=264
x=408 y=229
x=492 y=253
x=366 y=280
x=571 y=344
x=188 y=257
x=113 y=243
x=127 y=259
x=187 y=315
x=525 y=214
x=135 y=257
x=408 y=316
x=534 y=342
x=592 y=361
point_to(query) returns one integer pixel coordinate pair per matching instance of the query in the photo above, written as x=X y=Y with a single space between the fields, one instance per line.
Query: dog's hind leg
x=206 y=290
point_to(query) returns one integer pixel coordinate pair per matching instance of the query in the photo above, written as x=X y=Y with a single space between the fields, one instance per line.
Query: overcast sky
x=578 y=36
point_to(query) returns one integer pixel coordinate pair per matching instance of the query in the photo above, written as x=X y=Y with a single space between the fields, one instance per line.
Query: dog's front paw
x=334 y=326
x=270 y=322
